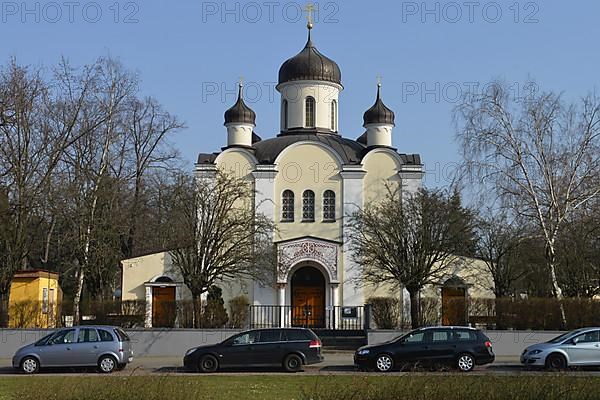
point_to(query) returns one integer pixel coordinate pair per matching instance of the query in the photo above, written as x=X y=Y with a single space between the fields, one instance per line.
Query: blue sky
x=191 y=53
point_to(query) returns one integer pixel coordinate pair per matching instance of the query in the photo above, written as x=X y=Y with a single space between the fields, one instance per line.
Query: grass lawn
x=252 y=387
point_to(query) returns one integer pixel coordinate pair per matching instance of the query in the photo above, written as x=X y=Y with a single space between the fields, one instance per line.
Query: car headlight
x=190 y=351
x=534 y=352
x=363 y=352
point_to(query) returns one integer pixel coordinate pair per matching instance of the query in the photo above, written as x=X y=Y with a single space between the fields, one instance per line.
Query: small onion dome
x=240 y=112
x=310 y=65
x=378 y=113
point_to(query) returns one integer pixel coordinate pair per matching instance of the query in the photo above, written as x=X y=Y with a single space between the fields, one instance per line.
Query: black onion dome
x=378 y=113
x=240 y=112
x=310 y=64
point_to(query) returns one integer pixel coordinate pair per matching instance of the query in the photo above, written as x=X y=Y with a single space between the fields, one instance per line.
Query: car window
x=87 y=335
x=246 y=338
x=417 y=337
x=564 y=336
x=296 y=335
x=105 y=336
x=42 y=341
x=440 y=336
x=464 y=335
x=588 y=337
x=270 y=336
x=64 y=336
x=123 y=337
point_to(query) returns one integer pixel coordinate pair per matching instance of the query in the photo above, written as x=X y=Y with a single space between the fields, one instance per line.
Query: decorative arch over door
x=292 y=252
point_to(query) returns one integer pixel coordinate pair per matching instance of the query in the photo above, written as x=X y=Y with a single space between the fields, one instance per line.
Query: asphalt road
x=336 y=363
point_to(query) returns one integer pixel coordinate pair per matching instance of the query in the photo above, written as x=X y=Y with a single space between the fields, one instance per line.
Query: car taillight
x=314 y=344
x=488 y=344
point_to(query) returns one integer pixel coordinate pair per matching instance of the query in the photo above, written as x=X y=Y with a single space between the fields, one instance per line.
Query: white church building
x=307 y=178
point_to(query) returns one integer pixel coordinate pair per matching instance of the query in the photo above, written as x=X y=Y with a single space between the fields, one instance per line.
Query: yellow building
x=35 y=297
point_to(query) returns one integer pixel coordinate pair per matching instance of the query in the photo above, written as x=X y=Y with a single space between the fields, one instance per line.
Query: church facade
x=308 y=177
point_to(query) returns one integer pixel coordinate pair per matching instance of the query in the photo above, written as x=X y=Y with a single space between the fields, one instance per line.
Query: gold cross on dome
x=241 y=81
x=310 y=9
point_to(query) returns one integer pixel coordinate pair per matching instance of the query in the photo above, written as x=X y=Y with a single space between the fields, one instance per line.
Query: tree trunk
x=4 y=309
x=77 y=297
x=197 y=307
x=556 y=289
x=415 y=308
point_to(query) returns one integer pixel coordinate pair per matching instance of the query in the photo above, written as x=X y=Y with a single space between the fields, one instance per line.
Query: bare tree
x=94 y=159
x=219 y=234
x=37 y=123
x=148 y=127
x=498 y=243
x=540 y=155
x=409 y=242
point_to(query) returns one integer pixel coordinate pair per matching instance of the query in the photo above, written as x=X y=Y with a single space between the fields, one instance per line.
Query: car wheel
x=208 y=364
x=465 y=362
x=30 y=365
x=107 y=364
x=292 y=363
x=556 y=362
x=384 y=363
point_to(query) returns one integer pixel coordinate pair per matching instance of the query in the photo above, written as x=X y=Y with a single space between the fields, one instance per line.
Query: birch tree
x=538 y=154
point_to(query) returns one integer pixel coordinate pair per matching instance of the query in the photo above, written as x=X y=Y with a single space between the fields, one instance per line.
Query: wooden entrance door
x=164 y=308
x=454 y=306
x=308 y=298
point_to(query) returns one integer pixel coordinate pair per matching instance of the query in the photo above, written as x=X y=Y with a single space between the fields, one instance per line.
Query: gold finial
x=310 y=8
x=378 y=80
x=241 y=81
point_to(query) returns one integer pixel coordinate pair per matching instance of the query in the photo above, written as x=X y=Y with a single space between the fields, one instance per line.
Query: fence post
x=367 y=316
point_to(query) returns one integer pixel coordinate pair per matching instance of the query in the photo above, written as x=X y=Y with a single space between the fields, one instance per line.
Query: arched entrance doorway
x=454 y=302
x=164 y=307
x=308 y=298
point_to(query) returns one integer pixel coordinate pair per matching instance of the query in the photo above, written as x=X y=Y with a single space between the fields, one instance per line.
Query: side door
x=584 y=349
x=239 y=350
x=88 y=346
x=58 y=351
x=442 y=346
x=269 y=348
x=414 y=348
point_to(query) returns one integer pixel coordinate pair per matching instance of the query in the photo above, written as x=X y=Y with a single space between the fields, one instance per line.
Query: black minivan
x=289 y=348
x=461 y=347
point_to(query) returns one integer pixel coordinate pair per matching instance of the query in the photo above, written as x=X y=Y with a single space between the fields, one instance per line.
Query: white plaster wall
x=296 y=93
x=239 y=134
x=379 y=135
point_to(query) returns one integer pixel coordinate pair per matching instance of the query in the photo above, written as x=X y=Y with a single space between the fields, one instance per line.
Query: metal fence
x=332 y=318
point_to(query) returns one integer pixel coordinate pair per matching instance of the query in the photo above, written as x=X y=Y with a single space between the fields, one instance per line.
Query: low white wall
x=504 y=343
x=146 y=342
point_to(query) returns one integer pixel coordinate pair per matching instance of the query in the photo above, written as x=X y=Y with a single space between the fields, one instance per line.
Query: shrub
x=214 y=314
x=386 y=312
x=238 y=311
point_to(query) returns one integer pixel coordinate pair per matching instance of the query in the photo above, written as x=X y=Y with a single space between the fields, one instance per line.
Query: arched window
x=329 y=206
x=308 y=206
x=310 y=112
x=285 y=114
x=333 y=115
x=287 y=206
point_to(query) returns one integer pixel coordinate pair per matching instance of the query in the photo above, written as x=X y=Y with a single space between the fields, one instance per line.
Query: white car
x=580 y=347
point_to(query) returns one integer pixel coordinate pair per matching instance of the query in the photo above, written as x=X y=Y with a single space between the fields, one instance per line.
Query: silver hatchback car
x=106 y=347
x=580 y=347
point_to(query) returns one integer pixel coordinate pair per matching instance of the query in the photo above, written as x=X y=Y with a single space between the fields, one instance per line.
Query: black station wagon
x=289 y=348
x=461 y=347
